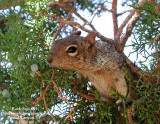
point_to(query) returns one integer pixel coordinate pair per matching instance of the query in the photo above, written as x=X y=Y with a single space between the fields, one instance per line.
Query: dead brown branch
x=119 y=14
x=84 y=20
x=66 y=22
x=45 y=103
x=16 y=116
x=135 y=14
x=75 y=24
x=68 y=16
x=115 y=24
x=140 y=73
x=109 y=10
x=155 y=40
x=87 y=96
x=42 y=97
x=128 y=31
x=94 y=14
x=154 y=70
x=59 y=91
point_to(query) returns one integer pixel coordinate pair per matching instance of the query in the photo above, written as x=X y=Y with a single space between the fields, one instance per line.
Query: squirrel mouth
x=49 y=60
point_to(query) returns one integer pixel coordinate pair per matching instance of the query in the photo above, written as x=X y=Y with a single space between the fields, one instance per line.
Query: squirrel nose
x=49 y=59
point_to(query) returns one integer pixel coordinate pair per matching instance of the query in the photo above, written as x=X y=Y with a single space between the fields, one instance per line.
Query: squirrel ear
x=76 y=33
x=91 y=38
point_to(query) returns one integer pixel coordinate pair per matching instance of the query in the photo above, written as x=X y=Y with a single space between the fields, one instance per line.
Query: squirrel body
x=97 y=60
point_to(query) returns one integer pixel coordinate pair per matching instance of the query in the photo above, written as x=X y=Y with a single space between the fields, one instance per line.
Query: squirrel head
x=73 y=52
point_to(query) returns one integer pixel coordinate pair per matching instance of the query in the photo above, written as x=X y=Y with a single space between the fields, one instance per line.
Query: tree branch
x=155 y=40
x=68 y=16
x=124 y=24
x=136 y=14
x=94 y=14
x=128 y=31
x=115 y=24
x=75 y=24
x=85 y=21
x=16 y=116
x=119 y=14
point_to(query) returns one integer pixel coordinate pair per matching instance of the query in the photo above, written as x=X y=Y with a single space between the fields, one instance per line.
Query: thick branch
x=75 y=24
x=124 y=24
x=130 y=26
x=141 y=74
x=114 y=9
x=128 y=31
x=140 y=3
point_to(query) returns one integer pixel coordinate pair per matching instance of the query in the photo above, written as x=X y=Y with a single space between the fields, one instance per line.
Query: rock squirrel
x=97 y=60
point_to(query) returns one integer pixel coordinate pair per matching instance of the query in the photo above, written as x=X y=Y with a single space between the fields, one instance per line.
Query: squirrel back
x=97 y=60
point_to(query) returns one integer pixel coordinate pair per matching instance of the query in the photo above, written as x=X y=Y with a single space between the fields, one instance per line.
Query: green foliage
x=147 y=107
x=145 y=31
x=25 y=39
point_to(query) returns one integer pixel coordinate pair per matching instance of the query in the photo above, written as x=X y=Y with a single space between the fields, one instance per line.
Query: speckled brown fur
x=97 y=60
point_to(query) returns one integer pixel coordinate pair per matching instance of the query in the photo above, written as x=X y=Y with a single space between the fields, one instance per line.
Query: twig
x=109 y=10
x=59 y=91
x=16 y=116
x=42 y=97
x=119 y=14
x=45 y=103
x=155 y=40
x=61 y=25
x=89 y=97
x=141 y=74
x=94 y=14
x=154 y=70
x=129 y=115
x=85 y=21
x=66 y=22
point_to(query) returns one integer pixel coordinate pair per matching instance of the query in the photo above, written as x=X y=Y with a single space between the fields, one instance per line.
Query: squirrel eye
x=71 y=49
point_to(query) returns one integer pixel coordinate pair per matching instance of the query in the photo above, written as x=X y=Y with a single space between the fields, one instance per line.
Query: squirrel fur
x=97 y=60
